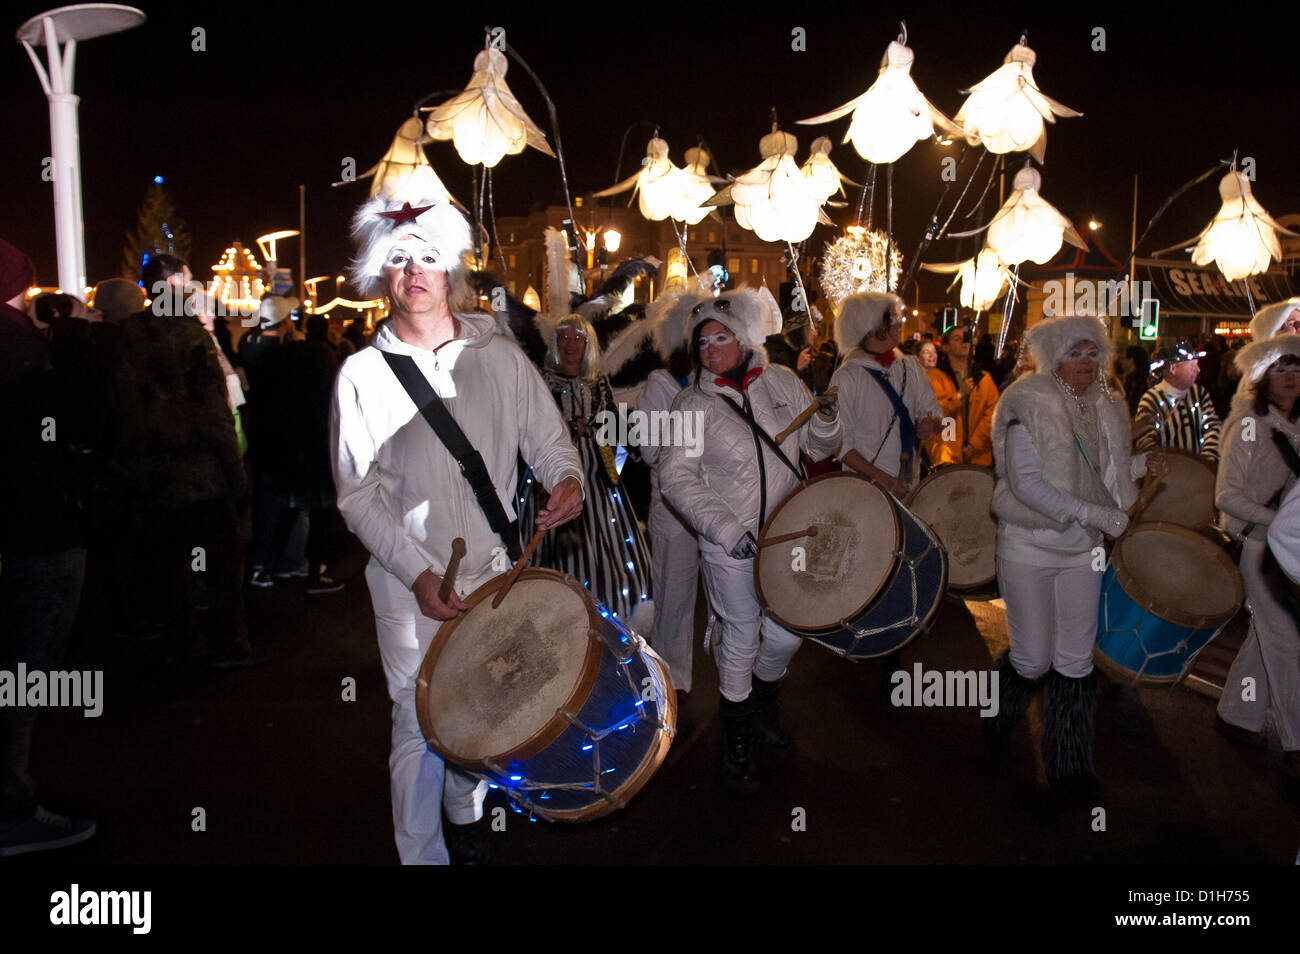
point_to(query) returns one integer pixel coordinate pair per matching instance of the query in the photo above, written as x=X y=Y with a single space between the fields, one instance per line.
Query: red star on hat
x=405 y=214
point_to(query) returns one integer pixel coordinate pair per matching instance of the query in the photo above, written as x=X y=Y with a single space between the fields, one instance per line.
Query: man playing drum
x=1177 y=412
x=403 y=494
x=726 y=494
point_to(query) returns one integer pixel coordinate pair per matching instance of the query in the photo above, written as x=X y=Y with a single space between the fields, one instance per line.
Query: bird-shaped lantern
x=405 y=158
x=824 y=179
x=485 y=121
x=1027 y=228
x=697 y=186
x=658 y=185
x=1006 y=109
x=891 y=116
x=1242 y=238
x=773 y=199
x=983 y=279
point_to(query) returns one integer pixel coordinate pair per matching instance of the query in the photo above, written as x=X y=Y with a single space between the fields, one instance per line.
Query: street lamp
x=67 y=25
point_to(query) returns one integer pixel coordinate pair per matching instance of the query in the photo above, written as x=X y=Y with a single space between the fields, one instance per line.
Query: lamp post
x=67 y=25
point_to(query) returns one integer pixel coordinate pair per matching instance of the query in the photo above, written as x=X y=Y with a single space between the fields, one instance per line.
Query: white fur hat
x=670 y=319
x=1268 y=320
x=1050 y=340
x=862 y=314
x=380 y=222
x=743 y=311
x=1256 y=358
x=276 y=308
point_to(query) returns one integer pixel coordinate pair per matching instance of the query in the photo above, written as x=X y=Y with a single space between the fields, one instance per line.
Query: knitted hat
x=743 y=312
x=118 y=297
x=1050 y=340
x=863 y=314
x=1268 y=320
x=1256 y=358
x=17 y=273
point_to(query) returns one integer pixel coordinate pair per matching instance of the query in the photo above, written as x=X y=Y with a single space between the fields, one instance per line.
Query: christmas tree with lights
x=239 y=280
x=158 y=231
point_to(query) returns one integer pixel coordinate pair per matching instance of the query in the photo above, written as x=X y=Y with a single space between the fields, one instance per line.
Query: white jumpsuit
x=719 y=495
x=401 y=492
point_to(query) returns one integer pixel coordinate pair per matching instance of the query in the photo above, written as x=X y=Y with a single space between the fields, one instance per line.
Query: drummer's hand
x=1156 y=464
x=898 y=487
x=425 y=589
x=927 y=427
x=746 y=548
x=804 y=360
x=827 y=402
x=564 y=504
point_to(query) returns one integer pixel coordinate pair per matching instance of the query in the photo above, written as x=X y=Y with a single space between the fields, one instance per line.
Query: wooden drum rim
x=1137 y=592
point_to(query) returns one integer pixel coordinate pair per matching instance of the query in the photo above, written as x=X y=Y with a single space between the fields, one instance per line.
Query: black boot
x=768 y=730
x=466 y=844
x=1015 y=693
x=739 y=772
x=1068 y=727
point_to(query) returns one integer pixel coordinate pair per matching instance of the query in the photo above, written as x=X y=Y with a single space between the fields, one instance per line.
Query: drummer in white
x=403 y=494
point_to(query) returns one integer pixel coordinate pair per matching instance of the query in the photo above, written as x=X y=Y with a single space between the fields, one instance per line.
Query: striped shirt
x=1167 y=417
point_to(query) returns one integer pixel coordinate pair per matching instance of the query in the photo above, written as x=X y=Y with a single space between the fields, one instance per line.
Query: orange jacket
x=983 y=399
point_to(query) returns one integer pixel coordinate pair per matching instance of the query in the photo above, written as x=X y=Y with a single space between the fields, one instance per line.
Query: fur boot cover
x=1068 y=728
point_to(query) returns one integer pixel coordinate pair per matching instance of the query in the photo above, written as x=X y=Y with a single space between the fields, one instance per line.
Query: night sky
x=282 y=97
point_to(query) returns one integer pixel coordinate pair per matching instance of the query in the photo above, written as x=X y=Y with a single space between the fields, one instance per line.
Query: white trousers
x=1051 y=617
x=735 y=630
x=1270 y=657
x=421 y=783
x=675 y=559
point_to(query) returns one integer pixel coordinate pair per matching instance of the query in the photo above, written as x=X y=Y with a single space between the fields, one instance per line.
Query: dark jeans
x=39 y=596
x=160 y=574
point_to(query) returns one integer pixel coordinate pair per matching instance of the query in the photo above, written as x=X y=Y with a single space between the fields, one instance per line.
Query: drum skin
x=848 y=587
x=1186 y=494
x=1167 y=592
x=956 y=502
x=531 y=697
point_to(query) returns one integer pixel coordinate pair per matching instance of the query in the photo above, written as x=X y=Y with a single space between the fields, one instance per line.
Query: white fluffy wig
x=744 y=312
x=590 y=358
x=670 y=319
x=441 y=226
x=1256 y=358
x=1050 y=340
x=861 y=315
x=1268 y=320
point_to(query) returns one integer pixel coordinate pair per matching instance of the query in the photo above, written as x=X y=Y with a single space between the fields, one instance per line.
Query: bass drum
x=956 y=501
x=867 y=584
x=548 y=698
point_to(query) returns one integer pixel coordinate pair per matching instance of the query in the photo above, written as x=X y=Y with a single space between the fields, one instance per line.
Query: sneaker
x=299 y=573
x=241 y=657
x=42 y=832
x=323 y=584
x=262 y=578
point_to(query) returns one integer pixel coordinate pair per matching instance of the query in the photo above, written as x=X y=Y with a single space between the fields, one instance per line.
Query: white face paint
x=409 y=248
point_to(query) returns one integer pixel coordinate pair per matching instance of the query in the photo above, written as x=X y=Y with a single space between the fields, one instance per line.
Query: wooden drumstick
x=802 y=419
x=518 y=567
x=449 y=578
x=786 y=537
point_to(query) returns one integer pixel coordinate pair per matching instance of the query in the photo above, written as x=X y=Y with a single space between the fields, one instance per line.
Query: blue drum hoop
x=562 y=771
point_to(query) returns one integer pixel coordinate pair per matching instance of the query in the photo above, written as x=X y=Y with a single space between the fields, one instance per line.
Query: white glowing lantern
x=1006 y=109
x=405 y=160
x=983 y=279
x=891 y=116
x=532 y=299
x=1242 y=238
x=1027 y=228
x=675 y=279
x=697 y=186
x=485 y=121
x=658 y=184
x=773 y=199
x=823 y=178
x=859 y=261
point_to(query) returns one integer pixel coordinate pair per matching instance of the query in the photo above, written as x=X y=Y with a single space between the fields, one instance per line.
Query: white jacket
x=868 y=412
x=399 y=489
x=1252 y=470
x=718 y=492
